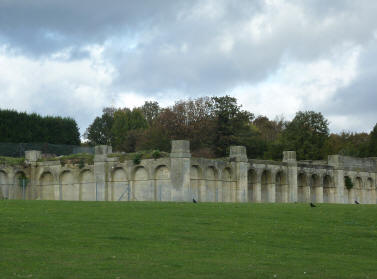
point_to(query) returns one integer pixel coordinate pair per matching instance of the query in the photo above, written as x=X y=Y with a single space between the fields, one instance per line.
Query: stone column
x=101 y=171
x=289 y=157
x=31 y=158
x=238 y=154
x=337 y=162
x=180 y=158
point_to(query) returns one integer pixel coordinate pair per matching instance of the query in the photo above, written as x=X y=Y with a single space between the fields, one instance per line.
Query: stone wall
x=182 y=178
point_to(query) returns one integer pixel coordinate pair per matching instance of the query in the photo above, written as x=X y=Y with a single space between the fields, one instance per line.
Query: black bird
x=357 y=202
x=312 y=205
x=194 y=200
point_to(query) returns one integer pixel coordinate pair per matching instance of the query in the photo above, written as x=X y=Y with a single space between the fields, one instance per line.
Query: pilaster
x=180 y=158
x=289 y=157
x=238 y=154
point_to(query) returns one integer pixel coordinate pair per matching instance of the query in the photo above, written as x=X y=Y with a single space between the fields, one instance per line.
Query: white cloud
x=276 y=56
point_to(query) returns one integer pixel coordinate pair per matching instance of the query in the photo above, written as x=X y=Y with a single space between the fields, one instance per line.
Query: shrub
x=137 y=158
x=156 y=154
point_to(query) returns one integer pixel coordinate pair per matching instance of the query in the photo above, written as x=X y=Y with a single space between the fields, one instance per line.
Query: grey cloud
x=42 y=26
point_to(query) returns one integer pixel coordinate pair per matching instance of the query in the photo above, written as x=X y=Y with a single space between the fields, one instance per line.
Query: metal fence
x=18 y=149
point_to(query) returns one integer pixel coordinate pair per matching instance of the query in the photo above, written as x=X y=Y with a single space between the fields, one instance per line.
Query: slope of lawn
x=57 y=239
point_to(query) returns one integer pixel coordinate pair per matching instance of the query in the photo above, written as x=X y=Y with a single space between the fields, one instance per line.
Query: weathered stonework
x=181 y=177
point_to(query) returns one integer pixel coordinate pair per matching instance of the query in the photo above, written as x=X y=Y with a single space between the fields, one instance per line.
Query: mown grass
x=52 y=239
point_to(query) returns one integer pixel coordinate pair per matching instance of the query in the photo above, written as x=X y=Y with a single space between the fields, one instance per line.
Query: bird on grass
x=312 y=205
x=357 y=202
x=194 y=200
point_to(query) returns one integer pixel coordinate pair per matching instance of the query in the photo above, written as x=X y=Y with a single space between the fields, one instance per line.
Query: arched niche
x=20 y=185
x=328 y=189
x=281 y=189
x=315 y=184
x=227 y=186
x=88 y=191
x=69 y=189
x=121 y=190
x=266 y=181
x=359 y=189
x=370 y=191
x=251 y=184
x=163 y=184
x=211 y=185
x=4 y=185
x=302 y=187
x=348 y=192
x=195 y=182
x=143 y=187
x=47 y=187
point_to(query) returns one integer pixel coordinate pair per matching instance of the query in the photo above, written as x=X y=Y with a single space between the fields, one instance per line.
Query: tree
x=307 y=133
x=150 y=111
x=100 y=131
x=232 y=124
x=373 y=143
x=126 y=128
x=20 y=127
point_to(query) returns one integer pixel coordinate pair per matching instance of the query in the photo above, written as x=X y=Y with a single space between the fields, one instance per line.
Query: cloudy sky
x=72 y=58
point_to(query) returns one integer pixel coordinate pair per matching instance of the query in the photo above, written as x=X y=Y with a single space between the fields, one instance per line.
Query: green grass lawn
x=52 y=239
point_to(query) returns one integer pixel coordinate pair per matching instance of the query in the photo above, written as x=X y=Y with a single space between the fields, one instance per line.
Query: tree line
x=20 y=127
x=212 y=124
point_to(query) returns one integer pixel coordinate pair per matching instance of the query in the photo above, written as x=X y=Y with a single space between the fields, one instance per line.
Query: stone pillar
x=337 y=162
x=101 y=171
x=238 y=154
x=180 y=158
x=289 y=157
x=31 y=158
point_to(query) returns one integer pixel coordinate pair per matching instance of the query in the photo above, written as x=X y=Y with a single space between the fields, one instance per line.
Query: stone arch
x=143 y=189
x=195 y=182
x=252 y=179
x=227 y=187
x=163 y=184
x=211 y=185
x=69 y=190
x=281 y=187
x=302 y=187
x=47 y=187
x=359 y=189
x=315 y=188
x=4 y=185
x=328 y=189
x=120 y=186
x=266 y=180
x=88 y=191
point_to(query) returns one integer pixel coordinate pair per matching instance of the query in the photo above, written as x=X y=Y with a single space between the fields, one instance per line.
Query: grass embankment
x=79 y=158
x=137 y=156
x=47 y=239
x=11 y=161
